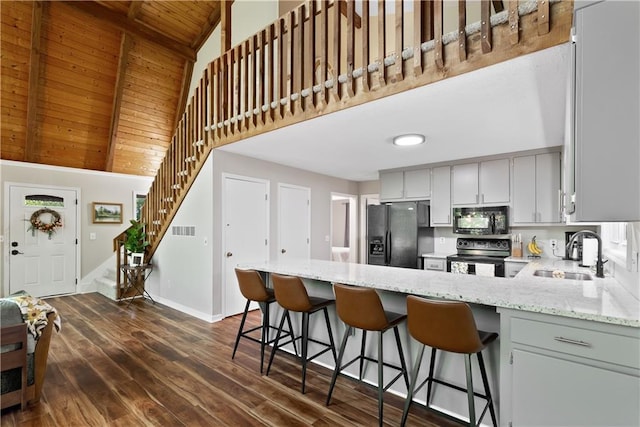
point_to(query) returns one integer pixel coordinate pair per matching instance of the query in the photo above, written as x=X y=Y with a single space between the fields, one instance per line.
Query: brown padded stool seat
x=292 y=295
x=448 y=326
x=361 y=308
x=253 y=289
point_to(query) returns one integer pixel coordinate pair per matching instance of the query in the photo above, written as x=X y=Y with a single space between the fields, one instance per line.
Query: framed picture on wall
x=138 y=201
x=107 y=213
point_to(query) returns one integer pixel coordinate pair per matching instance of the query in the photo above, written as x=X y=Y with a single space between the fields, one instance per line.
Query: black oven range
x=483 y=257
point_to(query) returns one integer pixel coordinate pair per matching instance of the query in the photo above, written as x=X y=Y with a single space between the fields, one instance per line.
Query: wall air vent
x=183 y=230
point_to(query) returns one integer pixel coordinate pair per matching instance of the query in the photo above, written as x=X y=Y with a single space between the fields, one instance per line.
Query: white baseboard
x=187 y=310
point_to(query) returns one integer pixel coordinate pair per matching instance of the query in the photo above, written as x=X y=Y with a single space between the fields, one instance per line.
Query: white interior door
x=42 y=263
x=294 y=222
x=246 y=232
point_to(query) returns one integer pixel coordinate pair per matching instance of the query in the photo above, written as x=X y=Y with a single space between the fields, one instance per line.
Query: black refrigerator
x=396 y=233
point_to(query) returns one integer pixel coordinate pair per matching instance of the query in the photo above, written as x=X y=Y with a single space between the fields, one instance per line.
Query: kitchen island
x=600 y=307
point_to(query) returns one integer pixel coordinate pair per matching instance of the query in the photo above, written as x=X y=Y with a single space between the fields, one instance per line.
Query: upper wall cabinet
x=481 y=183
x=441 y=196
x=607 y=134
x=536 y=189
x=405 y=185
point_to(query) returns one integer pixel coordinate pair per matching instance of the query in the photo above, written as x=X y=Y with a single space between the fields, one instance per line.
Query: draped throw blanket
x=34 y=313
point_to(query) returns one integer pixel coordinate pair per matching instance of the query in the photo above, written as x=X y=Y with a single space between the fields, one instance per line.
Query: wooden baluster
x=246 y=51
x=365 y=46
x=485 y=26
x=514 y=22
x=418 y=7
x=543 y=17
x=350 y=85
x=335 y=89
x=398 y=74
x=280 y=30
x=253 y=76
x=235 y=66
x=224 y=84
x=324 y=52
x=270 y=73
x=462 y=33
x=438 y=49
x=382 y=37
x=215 y=100
x=298 y=63
x=308 y=79
x=260 y=92
x=230 y=91
x=287 y=70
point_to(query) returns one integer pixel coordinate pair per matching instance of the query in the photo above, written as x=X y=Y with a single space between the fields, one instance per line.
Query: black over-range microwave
x=481 y=220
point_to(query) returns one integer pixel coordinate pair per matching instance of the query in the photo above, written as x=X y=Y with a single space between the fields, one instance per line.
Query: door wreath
x=46 y=227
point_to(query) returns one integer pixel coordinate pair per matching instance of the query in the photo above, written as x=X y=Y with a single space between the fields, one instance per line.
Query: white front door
x=246 y=232
x=294 y=222
x=42 y=257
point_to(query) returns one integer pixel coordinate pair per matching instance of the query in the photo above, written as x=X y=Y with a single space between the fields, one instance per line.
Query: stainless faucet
x=599 y=261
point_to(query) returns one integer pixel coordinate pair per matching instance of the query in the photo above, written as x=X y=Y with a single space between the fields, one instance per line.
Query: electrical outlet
x=554 y=243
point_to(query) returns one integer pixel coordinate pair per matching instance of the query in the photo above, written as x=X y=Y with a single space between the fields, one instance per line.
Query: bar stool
x=361 y=308
x=448 y=326
x=253 y=289
x=292 y=295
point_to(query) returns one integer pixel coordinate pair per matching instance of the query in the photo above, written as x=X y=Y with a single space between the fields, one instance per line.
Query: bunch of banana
x=533 y=247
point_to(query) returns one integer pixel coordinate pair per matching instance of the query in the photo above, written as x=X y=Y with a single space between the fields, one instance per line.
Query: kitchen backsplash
x=445 y=240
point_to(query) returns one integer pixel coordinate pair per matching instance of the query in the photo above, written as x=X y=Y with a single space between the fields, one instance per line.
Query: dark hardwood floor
x=150 y=365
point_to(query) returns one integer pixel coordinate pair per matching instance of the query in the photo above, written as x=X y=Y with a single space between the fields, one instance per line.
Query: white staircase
x=106 y=285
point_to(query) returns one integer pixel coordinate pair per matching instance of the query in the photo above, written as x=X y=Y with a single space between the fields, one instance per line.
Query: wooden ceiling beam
x=133 y=27
x=125 y=48
x=31 y=143
x=184 y=92
x=212 y=22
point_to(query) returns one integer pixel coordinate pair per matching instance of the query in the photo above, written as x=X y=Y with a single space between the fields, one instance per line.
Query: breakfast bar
x=550 y=328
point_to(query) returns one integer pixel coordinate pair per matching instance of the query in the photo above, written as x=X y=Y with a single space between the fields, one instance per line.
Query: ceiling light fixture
x=408 y=139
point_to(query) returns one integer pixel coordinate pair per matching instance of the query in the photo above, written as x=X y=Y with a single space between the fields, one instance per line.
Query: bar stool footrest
x=456 y=387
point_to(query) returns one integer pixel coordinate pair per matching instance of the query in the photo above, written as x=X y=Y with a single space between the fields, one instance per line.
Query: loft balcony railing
x=325 y=56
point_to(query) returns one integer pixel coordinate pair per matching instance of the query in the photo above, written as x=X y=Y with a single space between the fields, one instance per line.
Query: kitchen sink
x=558 y=274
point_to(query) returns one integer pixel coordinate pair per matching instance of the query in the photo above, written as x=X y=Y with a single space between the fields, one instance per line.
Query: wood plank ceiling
x=97 y=85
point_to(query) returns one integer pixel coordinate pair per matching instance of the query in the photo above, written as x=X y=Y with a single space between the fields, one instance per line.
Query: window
x=614 y=238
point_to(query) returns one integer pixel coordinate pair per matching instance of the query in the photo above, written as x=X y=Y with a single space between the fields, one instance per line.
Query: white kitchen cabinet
x=405 y=185
x=435 y=263
x=536 y=189
x=417 y=184
x=569 y=372
x=441 y=196
x=391 y=185
x=511 y=268
x=486 y=182
x=607 y=107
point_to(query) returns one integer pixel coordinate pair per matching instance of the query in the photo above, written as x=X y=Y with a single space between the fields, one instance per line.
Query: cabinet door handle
x=570 y=341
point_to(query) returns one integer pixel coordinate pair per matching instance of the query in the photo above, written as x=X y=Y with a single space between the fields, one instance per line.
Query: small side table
x=134 y=283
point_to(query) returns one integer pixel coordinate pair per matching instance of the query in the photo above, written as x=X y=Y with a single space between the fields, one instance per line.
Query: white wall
x=247 y=18
x=188 y=273
x=93 y=186
x=183 y=273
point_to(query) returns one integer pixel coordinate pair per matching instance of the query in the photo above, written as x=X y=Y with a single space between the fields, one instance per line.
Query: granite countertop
x=602 y=300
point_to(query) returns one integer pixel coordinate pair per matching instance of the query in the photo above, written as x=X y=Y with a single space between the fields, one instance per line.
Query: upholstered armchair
x=13 y=310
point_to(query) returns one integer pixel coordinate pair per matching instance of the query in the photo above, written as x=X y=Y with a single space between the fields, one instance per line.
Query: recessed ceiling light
x=408 y=139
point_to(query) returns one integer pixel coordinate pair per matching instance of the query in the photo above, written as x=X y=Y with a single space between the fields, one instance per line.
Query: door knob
x=229 y=254
x=16 y=252
x=14 y=244
x=283 y=250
